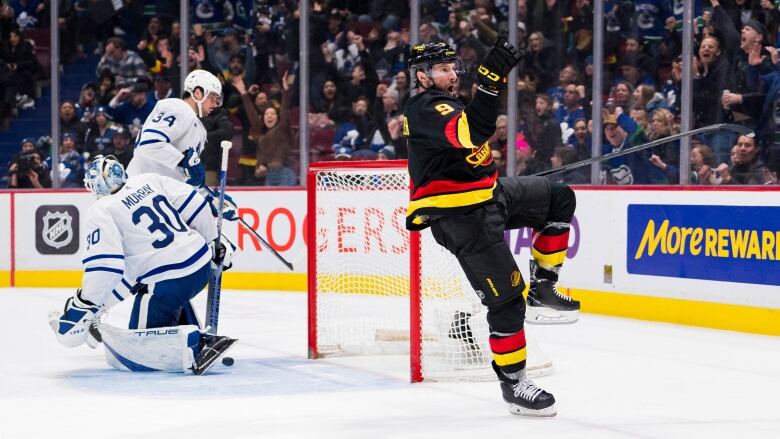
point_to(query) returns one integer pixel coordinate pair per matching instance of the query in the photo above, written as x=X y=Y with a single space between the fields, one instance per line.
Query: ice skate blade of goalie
x=547 y=306
x=213 y=348
x=525 y=398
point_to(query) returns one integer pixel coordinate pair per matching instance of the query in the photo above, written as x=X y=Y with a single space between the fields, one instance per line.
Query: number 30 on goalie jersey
x=155 y=228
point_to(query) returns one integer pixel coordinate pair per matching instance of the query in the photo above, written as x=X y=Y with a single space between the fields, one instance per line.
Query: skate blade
x=542 y=315
x=547 y=412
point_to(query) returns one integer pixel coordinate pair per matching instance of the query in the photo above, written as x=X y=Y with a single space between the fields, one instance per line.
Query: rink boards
x=705 y=257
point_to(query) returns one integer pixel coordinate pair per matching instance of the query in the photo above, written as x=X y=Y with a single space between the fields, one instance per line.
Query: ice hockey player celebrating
x=153 y=231
x=456 y=191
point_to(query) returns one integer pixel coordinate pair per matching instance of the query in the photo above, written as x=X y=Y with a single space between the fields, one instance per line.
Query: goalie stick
x=215 y=282
x=739 y=129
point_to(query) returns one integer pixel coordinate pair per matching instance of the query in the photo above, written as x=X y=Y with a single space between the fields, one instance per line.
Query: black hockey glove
x=499 y=61
x=222 y=254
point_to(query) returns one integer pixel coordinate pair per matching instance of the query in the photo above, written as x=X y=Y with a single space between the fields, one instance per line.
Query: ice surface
x=613 y=378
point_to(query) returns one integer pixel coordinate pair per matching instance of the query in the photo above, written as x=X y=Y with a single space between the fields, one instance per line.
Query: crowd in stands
x=359 y=83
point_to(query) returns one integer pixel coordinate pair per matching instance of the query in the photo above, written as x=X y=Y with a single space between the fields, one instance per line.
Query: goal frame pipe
x=415 y=317
x=311 y=250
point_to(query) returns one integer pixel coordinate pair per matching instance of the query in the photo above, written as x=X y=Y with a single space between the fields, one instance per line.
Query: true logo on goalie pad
x=153 y=332
x=57 y=230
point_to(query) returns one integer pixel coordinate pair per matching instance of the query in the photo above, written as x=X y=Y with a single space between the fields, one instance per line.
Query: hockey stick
x=739 y=129
x=215 y=284
x=257 y=236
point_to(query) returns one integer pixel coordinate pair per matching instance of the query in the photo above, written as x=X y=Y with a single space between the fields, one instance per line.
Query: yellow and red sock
x=509 y=351
x=550 y=245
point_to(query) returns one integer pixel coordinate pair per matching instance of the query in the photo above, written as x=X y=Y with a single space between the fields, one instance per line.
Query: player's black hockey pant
x=477 y=240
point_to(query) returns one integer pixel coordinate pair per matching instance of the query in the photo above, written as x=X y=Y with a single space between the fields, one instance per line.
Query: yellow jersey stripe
x=452 y=200
x=464 y=133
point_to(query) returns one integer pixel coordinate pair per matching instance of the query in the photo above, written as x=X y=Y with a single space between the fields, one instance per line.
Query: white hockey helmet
x=105 y=176
x=207 y=82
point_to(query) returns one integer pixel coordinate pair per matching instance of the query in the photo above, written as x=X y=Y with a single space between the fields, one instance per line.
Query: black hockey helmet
x=428 y=54
x=423 y=56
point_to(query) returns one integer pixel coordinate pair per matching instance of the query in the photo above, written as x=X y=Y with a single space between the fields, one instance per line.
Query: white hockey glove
x=222 y=254
x=71 y=327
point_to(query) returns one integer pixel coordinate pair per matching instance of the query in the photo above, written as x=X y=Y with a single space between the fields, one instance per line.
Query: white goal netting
x=362 y=286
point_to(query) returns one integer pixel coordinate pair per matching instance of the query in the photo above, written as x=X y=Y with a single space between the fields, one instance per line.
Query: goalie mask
x=104 y=176
x=212 y=88
x=423 y=57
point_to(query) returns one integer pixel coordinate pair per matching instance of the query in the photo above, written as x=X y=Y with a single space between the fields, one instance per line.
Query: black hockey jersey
x=450 y=163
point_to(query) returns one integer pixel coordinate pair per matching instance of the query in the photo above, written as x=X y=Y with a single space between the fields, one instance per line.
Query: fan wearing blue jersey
x=152 y=237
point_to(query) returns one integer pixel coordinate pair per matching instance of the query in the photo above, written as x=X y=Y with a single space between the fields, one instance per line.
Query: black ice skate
x=546 y=305
x=524 y=397
x=212 y=348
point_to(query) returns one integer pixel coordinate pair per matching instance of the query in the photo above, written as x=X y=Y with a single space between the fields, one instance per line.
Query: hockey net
x=375 y=288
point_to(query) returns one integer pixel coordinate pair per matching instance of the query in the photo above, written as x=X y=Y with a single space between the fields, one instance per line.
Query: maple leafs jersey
x=155 y=228
x=170 y=130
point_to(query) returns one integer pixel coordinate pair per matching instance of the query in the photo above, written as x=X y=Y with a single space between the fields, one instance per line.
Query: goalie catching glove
x=71 y=327
x=499 y=61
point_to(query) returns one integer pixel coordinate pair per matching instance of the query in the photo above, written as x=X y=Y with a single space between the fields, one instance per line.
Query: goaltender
x=456 y=191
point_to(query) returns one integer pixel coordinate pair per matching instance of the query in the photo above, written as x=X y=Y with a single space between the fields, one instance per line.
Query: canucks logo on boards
x=57 y=230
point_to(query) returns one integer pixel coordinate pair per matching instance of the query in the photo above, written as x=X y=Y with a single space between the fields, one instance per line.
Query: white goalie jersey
x=170 y=130
x=153 y=229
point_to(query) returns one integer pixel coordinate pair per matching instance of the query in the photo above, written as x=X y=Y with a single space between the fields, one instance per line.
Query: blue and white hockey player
x=173 y=137
x=152 y=231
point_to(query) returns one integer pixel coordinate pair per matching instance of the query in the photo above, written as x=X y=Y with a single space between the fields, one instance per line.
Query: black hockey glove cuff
x=499 y=61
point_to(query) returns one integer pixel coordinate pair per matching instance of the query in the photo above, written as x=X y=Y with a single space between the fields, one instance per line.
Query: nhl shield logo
x=57 y=230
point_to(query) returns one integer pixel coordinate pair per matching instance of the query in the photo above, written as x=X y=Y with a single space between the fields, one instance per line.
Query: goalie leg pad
x=166 y=349
x=163 y=303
